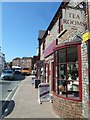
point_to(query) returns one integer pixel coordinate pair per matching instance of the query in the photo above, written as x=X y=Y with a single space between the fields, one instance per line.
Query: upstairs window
x=60 y=25
x=44 y=45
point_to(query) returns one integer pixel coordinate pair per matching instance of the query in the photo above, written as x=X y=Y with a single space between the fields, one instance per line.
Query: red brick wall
x=67 y=108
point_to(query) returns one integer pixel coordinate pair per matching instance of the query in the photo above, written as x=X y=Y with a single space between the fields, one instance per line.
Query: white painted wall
x=1 y=62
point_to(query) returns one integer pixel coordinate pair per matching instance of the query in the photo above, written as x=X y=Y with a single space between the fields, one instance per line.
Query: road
x=7 y=90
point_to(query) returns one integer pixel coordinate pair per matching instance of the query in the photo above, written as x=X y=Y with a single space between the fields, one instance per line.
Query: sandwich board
x=44 y=93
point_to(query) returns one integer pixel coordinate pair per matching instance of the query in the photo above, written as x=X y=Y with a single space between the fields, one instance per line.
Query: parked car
x=26 y=71
x=7 y=74
x=16 y=69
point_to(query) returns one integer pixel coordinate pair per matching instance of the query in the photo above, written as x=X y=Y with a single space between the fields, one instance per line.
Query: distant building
x=26 y=62
x=40 y=63
x=2 y=61
x=22 y=62
x=35 y=58
x=41 y=46
x=16 y=62
x=34 y=61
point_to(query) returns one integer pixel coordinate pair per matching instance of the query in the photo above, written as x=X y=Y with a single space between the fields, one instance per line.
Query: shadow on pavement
x=18 y=77
x=7 y=108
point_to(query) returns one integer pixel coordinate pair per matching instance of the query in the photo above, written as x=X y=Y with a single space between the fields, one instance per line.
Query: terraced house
x=64 y=48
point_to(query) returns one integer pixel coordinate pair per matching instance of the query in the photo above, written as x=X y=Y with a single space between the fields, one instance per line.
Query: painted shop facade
x=65 y=62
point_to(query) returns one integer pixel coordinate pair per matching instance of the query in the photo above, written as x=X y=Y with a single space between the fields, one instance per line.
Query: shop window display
x=67 y=75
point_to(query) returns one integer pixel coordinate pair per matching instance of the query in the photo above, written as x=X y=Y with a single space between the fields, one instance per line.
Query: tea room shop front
x=67 y=82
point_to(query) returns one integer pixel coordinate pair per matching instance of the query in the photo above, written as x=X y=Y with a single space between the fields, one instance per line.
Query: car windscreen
x=25 y=68
x=17 y=68
x=8 y=71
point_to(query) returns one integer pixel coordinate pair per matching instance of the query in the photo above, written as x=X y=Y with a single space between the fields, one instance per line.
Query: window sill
x=68 y=98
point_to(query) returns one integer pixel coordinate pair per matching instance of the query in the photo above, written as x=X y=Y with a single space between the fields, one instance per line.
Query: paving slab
x=24 y=103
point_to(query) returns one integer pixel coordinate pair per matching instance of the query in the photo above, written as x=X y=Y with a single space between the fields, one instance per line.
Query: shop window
x=67 y=72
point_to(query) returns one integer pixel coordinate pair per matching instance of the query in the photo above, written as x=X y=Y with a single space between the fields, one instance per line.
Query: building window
x=44 y=45
x=67 y=68
x=60 y=25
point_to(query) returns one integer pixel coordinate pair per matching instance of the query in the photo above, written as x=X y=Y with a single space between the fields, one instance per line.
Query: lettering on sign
x=73 y=19
x=73 y=22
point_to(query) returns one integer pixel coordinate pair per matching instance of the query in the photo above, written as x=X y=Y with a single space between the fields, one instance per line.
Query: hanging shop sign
x=73 y=19
x=86 y=36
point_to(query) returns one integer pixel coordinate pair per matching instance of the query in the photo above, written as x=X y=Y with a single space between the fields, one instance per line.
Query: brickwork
x=85 y=82
x=53 y=34
x=49 y=39
x=16 y=61
x=41 y=52
x=67 y=108
x=63 y=107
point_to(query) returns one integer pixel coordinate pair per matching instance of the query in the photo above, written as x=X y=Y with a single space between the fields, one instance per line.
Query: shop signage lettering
x=73 y=19
x=73 y=22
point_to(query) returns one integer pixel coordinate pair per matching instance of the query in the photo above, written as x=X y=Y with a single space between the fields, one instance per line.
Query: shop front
x=68 y=80
x=66 y=63
x=86 y=40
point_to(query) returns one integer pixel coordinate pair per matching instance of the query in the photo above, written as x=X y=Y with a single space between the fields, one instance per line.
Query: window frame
x=43 y=48
x=57 y=48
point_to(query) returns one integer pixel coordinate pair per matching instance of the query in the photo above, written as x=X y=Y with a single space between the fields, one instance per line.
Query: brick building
x=22 y=62
x=66 y=61
x=40 y=63
x=26 y=62
x=2 y=62
x=34 y=61
x=16 y=62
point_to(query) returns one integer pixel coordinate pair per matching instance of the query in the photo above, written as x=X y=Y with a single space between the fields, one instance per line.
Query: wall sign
x=73 y=19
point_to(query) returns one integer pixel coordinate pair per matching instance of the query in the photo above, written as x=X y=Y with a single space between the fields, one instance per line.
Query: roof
x=26 y=57
x=17 y=58
x=55 y=18
x=41 y=34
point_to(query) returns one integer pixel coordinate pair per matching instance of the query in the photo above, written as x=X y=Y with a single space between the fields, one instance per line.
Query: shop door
x=47 y=73
x=52 y=74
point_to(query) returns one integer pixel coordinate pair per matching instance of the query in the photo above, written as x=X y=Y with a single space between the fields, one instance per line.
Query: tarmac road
x=7 y=90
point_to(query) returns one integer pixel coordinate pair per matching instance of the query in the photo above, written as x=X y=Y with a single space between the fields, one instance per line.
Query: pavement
x=24 y=103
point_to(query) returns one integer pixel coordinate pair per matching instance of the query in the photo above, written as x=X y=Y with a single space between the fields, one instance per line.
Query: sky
x=21 y=22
